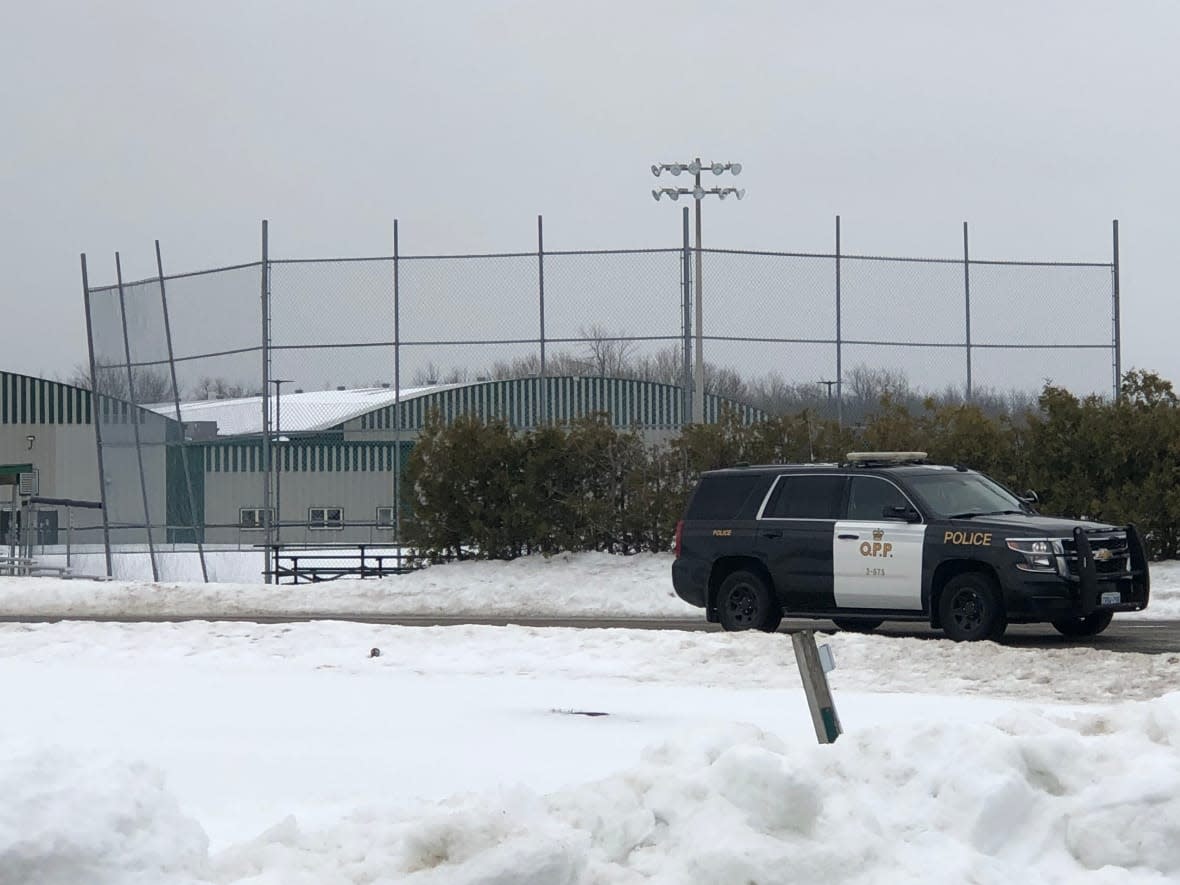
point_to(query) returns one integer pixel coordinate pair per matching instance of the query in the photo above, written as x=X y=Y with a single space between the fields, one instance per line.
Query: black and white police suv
x=885 y=536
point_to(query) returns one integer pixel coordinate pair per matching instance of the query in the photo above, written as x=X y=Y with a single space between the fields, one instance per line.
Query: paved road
x=1147 y=637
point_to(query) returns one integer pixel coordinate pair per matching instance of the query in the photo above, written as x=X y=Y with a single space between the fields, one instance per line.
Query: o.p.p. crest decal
x=878 y=548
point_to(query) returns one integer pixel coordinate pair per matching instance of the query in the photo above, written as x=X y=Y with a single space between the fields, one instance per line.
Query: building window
x=384 y=517
x=325 y=518
x=255 y=517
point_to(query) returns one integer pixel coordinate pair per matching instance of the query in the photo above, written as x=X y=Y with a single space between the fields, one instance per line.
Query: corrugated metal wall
x=527 y=402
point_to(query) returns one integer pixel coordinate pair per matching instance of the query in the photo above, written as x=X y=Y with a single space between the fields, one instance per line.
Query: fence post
x=815 y=686
x=967 y=304
x=198 y=532
x=839 y=339
x=1118 y=334
x=94 y=416
x=686 y=416
x=397 y=391
x=541 y=298
x=133 y=415
x=266 y=454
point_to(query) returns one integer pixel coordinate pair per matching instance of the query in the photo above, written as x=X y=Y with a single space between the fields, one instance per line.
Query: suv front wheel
x=1090 y=625
x=744 y=602
x=970 y=608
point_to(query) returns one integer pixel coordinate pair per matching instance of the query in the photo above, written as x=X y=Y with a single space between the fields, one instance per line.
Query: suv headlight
x=1040 y=554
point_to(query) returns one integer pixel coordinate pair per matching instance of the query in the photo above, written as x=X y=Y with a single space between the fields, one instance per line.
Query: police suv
x=885 y=536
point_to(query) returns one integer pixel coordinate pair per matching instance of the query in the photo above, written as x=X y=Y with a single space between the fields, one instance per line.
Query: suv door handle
x=848 y=537
x=772 y=534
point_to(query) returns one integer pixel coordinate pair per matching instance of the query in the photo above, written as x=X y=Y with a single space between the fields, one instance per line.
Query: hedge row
x=484 y=490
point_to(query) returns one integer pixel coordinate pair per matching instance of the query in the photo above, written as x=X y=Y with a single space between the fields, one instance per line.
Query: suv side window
x=722 y=497
x=801 y=496
x=868 y=496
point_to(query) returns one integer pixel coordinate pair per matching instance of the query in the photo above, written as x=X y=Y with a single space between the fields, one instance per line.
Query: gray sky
x=189 y=122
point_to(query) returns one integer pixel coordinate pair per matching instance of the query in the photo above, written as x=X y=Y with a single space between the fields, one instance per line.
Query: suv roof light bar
x=886 y=457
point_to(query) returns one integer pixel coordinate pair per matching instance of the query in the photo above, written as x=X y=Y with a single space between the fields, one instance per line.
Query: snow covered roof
x=309 y=410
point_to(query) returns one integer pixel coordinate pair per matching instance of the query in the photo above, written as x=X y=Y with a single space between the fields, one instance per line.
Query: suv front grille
x=1110 y=551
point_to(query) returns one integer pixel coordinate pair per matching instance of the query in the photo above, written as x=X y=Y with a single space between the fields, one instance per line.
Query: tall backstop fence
x=285 y=382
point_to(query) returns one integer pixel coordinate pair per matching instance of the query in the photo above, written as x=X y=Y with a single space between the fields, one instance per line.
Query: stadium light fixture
x=698 y=193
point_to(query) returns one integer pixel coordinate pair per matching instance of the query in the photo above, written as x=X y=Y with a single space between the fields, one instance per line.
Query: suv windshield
x=963 y=495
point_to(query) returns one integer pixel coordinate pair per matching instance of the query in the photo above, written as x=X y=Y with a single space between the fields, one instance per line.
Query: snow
x=568 y=585
x=231 y=752
x=300 y=412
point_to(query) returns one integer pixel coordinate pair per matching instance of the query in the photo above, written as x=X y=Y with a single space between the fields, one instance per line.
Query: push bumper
x=1083 y=589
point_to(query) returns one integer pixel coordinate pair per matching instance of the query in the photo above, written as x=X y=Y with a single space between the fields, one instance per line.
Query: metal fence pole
x=698 y=396
x=134 y=414
x=686 y=284
x=184 y=459
x=541 y=299
x=839 y=341
x=94 y=415
x=266 y=465
x=967 y=304
x=1118 y=332
x=397 y=394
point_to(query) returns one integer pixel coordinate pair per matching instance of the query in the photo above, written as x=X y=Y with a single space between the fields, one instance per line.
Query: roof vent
x=30 y=483
x=341 y=387
x=385 y=384
x=299 y=390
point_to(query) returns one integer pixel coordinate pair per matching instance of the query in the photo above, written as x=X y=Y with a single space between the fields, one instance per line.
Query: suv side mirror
x=1030 y=497
x=909 y=514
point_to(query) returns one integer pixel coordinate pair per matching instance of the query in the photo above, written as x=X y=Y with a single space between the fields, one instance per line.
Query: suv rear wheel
x=744 y=602
x=970 y=608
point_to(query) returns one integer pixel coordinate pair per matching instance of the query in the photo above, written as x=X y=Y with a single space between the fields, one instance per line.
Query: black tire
x=857 y=625
x=970 y=608
x=1090 y=625
x=744 y=602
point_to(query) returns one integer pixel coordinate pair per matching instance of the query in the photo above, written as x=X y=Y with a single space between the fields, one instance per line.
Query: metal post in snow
x=816 y=688
x=1118 y=334
x=94 y=416
x=967 y=304
x=198 y=532
x=266 y=465
x=134 y=417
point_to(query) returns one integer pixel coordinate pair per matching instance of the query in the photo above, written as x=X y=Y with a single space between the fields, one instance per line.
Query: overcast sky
x=190 y=122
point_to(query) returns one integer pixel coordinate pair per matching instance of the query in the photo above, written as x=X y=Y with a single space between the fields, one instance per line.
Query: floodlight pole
x=698 y=193
x=698 y=390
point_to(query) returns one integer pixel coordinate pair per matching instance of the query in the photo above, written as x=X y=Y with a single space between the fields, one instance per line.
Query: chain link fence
x=289 y=353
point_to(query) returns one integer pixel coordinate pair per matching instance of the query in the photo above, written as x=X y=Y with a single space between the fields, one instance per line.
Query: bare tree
x=221 y=388
x=150 y=385
x=607 y=354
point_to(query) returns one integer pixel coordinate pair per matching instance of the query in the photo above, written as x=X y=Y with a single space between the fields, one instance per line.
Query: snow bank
x=568 y=585
x=1035 y=799
x=65 y=820
x=1031 y=798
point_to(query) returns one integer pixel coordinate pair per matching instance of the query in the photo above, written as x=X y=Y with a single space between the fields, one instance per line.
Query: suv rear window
x=806 y=497
x=722 y=497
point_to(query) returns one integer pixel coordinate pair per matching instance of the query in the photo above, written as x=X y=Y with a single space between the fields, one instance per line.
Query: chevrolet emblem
x=1103 y=554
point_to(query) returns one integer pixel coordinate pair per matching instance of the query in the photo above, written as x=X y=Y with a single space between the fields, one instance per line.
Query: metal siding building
x=50 y=425
x=335 y=450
